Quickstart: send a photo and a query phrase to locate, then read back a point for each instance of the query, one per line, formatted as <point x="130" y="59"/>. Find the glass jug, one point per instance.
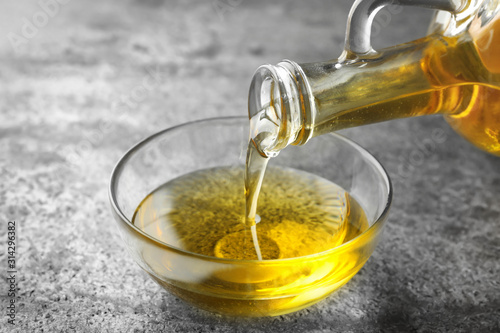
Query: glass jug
<point x="454" y="71"/>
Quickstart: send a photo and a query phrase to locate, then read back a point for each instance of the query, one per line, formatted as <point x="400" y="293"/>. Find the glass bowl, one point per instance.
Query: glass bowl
<point x="248" y="288"/>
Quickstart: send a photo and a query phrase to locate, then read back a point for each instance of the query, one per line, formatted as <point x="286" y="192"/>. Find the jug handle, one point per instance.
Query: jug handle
<point x="362" y="13"/>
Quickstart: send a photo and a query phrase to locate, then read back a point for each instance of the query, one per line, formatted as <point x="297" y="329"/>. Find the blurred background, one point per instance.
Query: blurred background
<point x="82" y="81"/>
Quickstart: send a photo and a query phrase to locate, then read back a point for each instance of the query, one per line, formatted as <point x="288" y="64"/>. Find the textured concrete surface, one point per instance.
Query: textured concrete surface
<point x="80" y="86"/>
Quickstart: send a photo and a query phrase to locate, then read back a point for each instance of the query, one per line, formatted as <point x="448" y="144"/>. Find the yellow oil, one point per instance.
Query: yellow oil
<point x="299" y="214"/>
<point x="455" y="76"/>
<point x="204" y="213"/>
<point x="479" y="120"/>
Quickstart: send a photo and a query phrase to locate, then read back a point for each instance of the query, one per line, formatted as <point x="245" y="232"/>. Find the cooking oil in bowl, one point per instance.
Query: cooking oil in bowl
<point x="299" y="215"/>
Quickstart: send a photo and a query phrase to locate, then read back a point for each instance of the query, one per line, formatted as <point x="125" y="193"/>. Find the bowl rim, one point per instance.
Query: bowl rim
<point x="124" y="220"/>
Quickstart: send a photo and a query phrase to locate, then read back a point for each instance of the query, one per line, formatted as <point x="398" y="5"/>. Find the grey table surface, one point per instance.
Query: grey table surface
<point x="68" y="67"/>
